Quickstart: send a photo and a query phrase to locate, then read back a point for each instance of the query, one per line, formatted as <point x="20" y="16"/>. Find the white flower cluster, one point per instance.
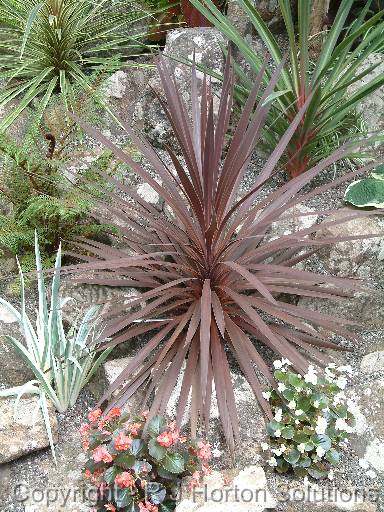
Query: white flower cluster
<point x="311" y="376"/>
<point x="282" y="364"/>
<point x="332" y="374"/>
<point x="321" y="425"/>
<point x="341" y="424"/>
<point x="321" y="418"/>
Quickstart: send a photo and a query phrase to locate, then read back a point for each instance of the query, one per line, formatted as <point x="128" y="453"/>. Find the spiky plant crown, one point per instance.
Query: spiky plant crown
<point x="51" y="45"/>
<point x="210" y="274"/>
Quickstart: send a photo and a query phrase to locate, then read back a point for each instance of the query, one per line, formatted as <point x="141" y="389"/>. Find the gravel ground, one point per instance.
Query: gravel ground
<point x="35" y="469"/>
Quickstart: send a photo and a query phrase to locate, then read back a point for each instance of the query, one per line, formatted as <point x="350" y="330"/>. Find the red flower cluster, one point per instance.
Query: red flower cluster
<point x="125" y="480"/>
<point x="204" y="452"/>
<point x="122" y="442"/>
<point x="84" y="432"/>
<point x="107" y="437"/>
<point x="170" y="437"/>
<point x="93" y="416"/>
<point x="93" y="477"/>
<point x="101" y="454"/>
<point x="147" y="507"/>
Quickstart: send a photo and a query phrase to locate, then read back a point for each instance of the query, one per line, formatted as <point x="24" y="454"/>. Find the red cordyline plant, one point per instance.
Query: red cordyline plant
<point x="209" y="270"/>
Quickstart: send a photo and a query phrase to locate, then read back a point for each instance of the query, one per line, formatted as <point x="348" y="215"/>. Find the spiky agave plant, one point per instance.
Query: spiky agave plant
<point x="49" y="45"/>
<point x="211" y="275"/>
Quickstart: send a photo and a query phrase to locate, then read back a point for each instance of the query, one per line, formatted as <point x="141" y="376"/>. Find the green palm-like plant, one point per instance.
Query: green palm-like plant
<point x="63" y="363"/>
<point x="326" y="81"/>
<point x="49" y="45"/>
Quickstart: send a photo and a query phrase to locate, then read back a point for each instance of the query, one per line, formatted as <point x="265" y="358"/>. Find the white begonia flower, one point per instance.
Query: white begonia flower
<point x="276" y="451"/>
<point x="301" y="447"/>
<point x="278" y="433"/>
<point x="310" y="377"/>
<point x="320" y="452"/>
<point x="351" y="404"/>
<point x="339" y="398"/>
<point x="264" y="446"/>
<point x="286" y="362"/>
<point x="292" y="404"/>
<point x="316" y="404"/>
<point x="266" y="395"/>
<point x="277" y="364"/>
<point x="341" y="382"/>
<point x="279" y="415"/>
<point x="272" y="462"/>
<point x="299" y="412"/>
<point x="297" y="422"/>
<point x="331" y="475"/>
<point x="321" y="425"/>
<point x="281" y="387"/>
<point x="341" y="424"/>
<point x="283" y="448"/>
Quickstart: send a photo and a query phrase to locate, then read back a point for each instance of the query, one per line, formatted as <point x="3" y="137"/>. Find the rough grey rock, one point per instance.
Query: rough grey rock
<point x="270" y="11"/>
<point x="68" y="490"/>
<point x="238" y="18"/>
<point x="368" y="441"/>
<point x="371" y="107"/>
<point x="125" y="91"/>
<point x="294" y="219"/>
<point x="35" y="484"/>
<point x="181" y="44"/>
<point x="19" y="127"/>
<point x="147" y="193"/>
<point x="8" y="267"/>
<point x="355" y="259"/>
<point x="107" y="375"/>
<point x="251" y="421"/>
<point x="85" y="295"/>
<point x="373" y="362"/>
<point x="13" y="371"/>
<point x="6" y="316"/>
<point x="245" y="490"/>
<point x="23" y="432"/>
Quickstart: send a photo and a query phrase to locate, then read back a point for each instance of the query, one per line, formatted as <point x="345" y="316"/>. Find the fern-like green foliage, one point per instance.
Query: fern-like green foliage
<point x="39" y="196"/>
